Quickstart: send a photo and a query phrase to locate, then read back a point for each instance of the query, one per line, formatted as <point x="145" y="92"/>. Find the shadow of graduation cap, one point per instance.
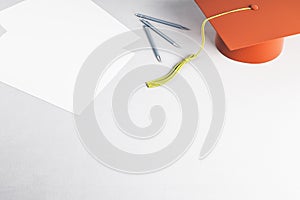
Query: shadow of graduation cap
<point x="254" y="36"/>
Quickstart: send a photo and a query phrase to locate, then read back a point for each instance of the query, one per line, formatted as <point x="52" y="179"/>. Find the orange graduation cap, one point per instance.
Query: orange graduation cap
<point x="254" y="36"/>
<point x="250" y="31"/>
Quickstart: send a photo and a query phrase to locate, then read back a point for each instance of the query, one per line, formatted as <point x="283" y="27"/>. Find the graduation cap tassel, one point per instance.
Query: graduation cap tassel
<point x="163" y="80"/>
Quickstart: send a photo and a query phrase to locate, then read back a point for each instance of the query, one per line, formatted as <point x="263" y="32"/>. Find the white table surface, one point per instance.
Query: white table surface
<point x="41" y="156"/>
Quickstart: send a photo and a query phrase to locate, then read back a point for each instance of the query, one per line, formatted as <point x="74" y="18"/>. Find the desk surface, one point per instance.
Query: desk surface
<point x="41" y="156"/>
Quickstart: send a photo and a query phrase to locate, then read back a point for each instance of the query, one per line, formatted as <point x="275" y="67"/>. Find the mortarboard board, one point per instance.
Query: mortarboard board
<point x="254" y="36"/>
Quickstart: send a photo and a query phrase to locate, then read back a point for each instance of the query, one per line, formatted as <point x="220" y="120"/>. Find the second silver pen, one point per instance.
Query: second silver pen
<point x="167" y="38"/>
<point x="151" y="41"/>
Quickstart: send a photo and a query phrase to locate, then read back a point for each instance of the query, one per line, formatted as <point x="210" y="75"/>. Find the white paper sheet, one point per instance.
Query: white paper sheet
<point x="46" y="43"/>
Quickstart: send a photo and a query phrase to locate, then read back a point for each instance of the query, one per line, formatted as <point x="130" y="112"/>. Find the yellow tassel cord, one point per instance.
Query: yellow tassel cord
<point x="163" y="80"/>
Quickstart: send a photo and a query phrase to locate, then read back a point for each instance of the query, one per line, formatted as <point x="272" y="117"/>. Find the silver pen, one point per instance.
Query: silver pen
<point x="159" y="33"/>
<point x="161" y="21"/>
<point x="151" y="41"/>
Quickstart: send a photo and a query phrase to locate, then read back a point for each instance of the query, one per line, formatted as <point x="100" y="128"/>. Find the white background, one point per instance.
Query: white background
<point x="257" y="157"/>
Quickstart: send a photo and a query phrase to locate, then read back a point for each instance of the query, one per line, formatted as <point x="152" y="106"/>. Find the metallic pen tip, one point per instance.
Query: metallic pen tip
<point x="145" y="22"/>
<point x="176" y="45"/>
<point x="185" y="28"/>
<point x="158" y="58"/>
<point x="137" y="14"/>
